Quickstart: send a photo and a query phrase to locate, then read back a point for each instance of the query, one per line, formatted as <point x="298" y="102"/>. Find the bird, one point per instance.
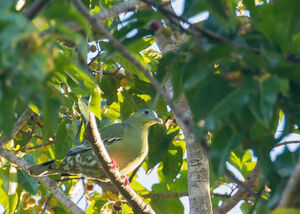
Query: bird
<point x="126" y="143"/>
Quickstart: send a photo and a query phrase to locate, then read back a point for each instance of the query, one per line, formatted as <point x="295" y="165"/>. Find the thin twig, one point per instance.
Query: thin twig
<point x="18" y="126"/>
<point x="69" y="179"/>
<point x="194" y="28"/>
<point x="286" y="143"/>
<point x="35" y="8"/>
<point x="47" y="182"/>
<point x="221" y="195"/>
<point x="42" y="145"/>
<point x="165" y="195"/>
<point x="46" y="204"/>
<point x="119" y="8"/>
<point x="242" y="185"/>
<point x="118" y="45"/>
<point x="241" y="194"/>
<point x="30" y="135"/>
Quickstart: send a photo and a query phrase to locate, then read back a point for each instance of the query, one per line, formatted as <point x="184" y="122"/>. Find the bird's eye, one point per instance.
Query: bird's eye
<point x="146" y="112"/>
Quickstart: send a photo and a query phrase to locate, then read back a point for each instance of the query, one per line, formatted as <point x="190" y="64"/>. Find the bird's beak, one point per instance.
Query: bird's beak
<point x="158" y="120"/>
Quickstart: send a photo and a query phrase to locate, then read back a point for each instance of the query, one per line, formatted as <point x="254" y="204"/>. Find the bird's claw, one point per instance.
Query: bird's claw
<point x="114" y="165"/>
<point x="126" y="181"/>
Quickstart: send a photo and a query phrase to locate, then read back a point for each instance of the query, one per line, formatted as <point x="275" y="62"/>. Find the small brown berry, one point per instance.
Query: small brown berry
<point x="123" y="82"/>
<point x="155" y="26"/>
<point x="93" y="48"/>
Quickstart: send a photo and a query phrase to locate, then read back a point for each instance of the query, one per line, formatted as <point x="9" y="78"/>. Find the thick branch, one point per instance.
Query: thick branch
<point x="136" y="203"/>
<point x="240" y="194"/>
<point x="198" y="166"/>
<point x="291" y="190"/>
<point x="47" y="182"/>
<point x="35" y="8"/>
<point x="18" y="126"/>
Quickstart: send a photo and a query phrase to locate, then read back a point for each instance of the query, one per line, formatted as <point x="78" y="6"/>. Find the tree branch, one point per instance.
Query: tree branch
<point x="197" y="158"/>
<point x="286" y="143"/>
<point x="35" y="8"/>
<point x="18" y="126"/>
<point x="292" y="187"/>
<point x="119" y="8"/>
<point x="197" y="31"/>
<point x="240" y="194"/>
<point x="118" y="45"/>
<point x="47" y="182"/>
<point x="165" y="195"/>
<point x="136" y="203"/>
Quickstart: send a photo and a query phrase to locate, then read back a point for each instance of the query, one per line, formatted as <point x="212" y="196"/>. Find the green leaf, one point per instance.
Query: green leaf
<point x="109" y="85"/>
<point x="27" y="182"/>
<point x="180" y="184"/>
<point x="223" y="141"/>
<point x="4" y="199"/>
<point x="193" y="7"/>
<point x="4" y="5"/>
<point x="173" y="161"/>
<point x="65" y="138"/>
<point x="286" y="162"/>
<point x="84" y="109"/>
<point x="159" y="143"/>
<point x="228" y="104"/>
<point x="126" y="209"/>
<point x="235" y="161"/>
<point x="246" y="157"/>
<point x="165" y="205"/>
<point x="285" y="211"/>
<point x="50" y="116"/>
<point x="13" y="202"/>
<point x="95" y="103"/>
<point x="34" y="108"/>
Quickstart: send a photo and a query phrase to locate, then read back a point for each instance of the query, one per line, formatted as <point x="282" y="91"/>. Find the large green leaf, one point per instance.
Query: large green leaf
<point x="159" y="143"/>
<point x="173" y="160"/>
<point x="165" y="205"/>
<point x="50" y="116"/>
<point x="223" y="141"/>
<point x="27" y="182"/>
<point x="65" y="138"/>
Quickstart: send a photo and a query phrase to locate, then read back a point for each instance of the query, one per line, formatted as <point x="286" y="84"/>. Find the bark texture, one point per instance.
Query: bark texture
<point x="198" y="165"/>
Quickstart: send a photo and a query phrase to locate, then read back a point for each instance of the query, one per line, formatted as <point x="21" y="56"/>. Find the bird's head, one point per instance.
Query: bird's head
<point x="146" y="117"/>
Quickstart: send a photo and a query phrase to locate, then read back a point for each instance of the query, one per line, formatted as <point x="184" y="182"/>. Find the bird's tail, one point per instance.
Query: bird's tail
<point x="44" y="169"/>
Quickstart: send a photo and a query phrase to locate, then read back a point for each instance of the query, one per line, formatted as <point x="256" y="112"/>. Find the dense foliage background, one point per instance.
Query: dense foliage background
<point x="240" y="74"/>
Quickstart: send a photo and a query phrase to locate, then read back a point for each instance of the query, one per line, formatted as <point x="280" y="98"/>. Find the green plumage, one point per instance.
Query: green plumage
<point x="126" y="143"/>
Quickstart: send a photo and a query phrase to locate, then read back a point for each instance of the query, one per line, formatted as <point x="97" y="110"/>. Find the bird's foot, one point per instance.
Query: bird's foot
<point x="114" y="165"/>
<point x="126" y="181"/>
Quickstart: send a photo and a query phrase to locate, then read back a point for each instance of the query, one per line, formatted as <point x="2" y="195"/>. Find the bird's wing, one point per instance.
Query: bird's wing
<point x="109" y="135"/>
<point x="112" y="133"/>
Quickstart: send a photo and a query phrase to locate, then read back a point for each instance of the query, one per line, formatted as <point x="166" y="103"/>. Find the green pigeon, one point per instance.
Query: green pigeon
<point x="126" y="143"/>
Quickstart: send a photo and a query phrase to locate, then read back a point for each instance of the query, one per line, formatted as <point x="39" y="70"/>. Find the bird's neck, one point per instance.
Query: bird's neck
<point x="137" y="130"/>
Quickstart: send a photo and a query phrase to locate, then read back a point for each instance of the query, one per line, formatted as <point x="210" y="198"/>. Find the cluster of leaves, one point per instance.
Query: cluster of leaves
<point x="236" y="87"/>
<point x="40" y="69"/>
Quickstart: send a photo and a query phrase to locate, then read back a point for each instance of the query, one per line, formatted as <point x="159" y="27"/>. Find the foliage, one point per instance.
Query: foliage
<point x="236" y="88"/>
